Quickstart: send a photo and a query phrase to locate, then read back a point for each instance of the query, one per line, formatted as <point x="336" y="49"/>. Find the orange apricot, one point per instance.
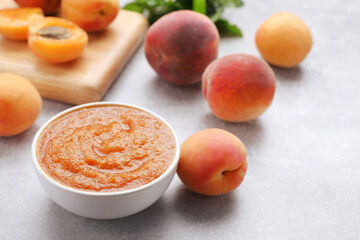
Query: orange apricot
<point x="56" y="40"/>
<point x="284" y="40"/>
<point x="14" y="22"/>
<point x="90" y="15"/>
<point x="20" y="104"/>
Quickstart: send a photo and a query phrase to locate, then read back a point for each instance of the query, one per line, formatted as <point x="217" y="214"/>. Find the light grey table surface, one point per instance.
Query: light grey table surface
<point x="303" y="179"/>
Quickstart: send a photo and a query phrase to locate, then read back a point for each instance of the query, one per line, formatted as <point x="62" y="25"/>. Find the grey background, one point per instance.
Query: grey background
<point x="303" y="179"/>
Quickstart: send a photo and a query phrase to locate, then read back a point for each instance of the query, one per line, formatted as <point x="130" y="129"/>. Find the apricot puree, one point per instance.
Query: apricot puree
<point x="106" y="148"/>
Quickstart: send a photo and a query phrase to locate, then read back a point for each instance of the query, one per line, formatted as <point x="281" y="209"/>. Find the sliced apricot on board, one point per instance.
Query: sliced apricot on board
<point x="56" y="40"/>
<point x="14" y="22"/>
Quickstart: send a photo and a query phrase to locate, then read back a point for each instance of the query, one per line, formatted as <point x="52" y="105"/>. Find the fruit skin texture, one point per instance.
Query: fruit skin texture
<point x="14" y="23"/>
<point x="20" y="104"/>
<point x="54" y="50"/>
<point x="90" y="15"/>
<point x="212" y="162"/>
<point x="283" y="40"/>
<point x="180" y="45"/>
<point x="50" y="7"/>
<point x="238" y="87"/>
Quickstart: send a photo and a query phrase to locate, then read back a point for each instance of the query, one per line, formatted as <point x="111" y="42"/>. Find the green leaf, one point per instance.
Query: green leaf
<point x="199" y="6"/>
<point x="217" y="14"/>
<point x="234" y="3"/>
<point x="134" y="7"/>
<point x="225" y="28"/>
<point x="186" y="4"/>
<point x="154" y="9"/>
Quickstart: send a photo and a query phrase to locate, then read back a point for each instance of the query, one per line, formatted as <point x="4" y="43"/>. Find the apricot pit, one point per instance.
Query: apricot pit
<point x="54" y="32"/>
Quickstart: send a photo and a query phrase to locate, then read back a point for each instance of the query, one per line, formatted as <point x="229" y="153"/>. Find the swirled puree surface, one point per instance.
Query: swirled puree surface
<point x="106" y="148"/>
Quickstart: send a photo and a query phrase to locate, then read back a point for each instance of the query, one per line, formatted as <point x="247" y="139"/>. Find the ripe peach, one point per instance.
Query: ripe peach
<point x="50" y="7"/>
<point x="212" y="162"/>
<point x="238" y="87"/>
<point x="20" y="104"/>
<point x="180" y="45"/>
<point x="90" y="15"/>
<point x="283" y="40"/>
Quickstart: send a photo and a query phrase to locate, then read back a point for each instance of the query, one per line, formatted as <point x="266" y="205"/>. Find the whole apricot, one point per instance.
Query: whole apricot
<point x="180" y="45"/>
<point x="212" y="162"/>
<point x="238" y="87"/>
<point x="20" y="104"/>
<point x="283" y="40"/>
<point x="90" y="15"/>
<point x="50" y="7"/>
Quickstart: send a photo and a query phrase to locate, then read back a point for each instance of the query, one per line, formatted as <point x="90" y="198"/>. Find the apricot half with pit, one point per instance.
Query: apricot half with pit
<point x="56" y="40"/>
<point x="14" y="22"/>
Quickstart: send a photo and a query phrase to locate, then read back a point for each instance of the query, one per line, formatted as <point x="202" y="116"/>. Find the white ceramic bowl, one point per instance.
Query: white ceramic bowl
<point x="104" y="205"/>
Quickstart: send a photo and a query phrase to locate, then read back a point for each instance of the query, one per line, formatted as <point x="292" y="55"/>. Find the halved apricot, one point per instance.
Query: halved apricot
<point x="56" y="40"/>
<point x="14" y="22"/>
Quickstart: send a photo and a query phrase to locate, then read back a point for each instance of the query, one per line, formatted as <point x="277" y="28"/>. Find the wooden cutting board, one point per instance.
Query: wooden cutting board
<point x="87" y="78"/>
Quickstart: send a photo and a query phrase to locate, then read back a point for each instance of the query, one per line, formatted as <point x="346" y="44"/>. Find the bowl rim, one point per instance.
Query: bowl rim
<point x="38" y="168"/>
